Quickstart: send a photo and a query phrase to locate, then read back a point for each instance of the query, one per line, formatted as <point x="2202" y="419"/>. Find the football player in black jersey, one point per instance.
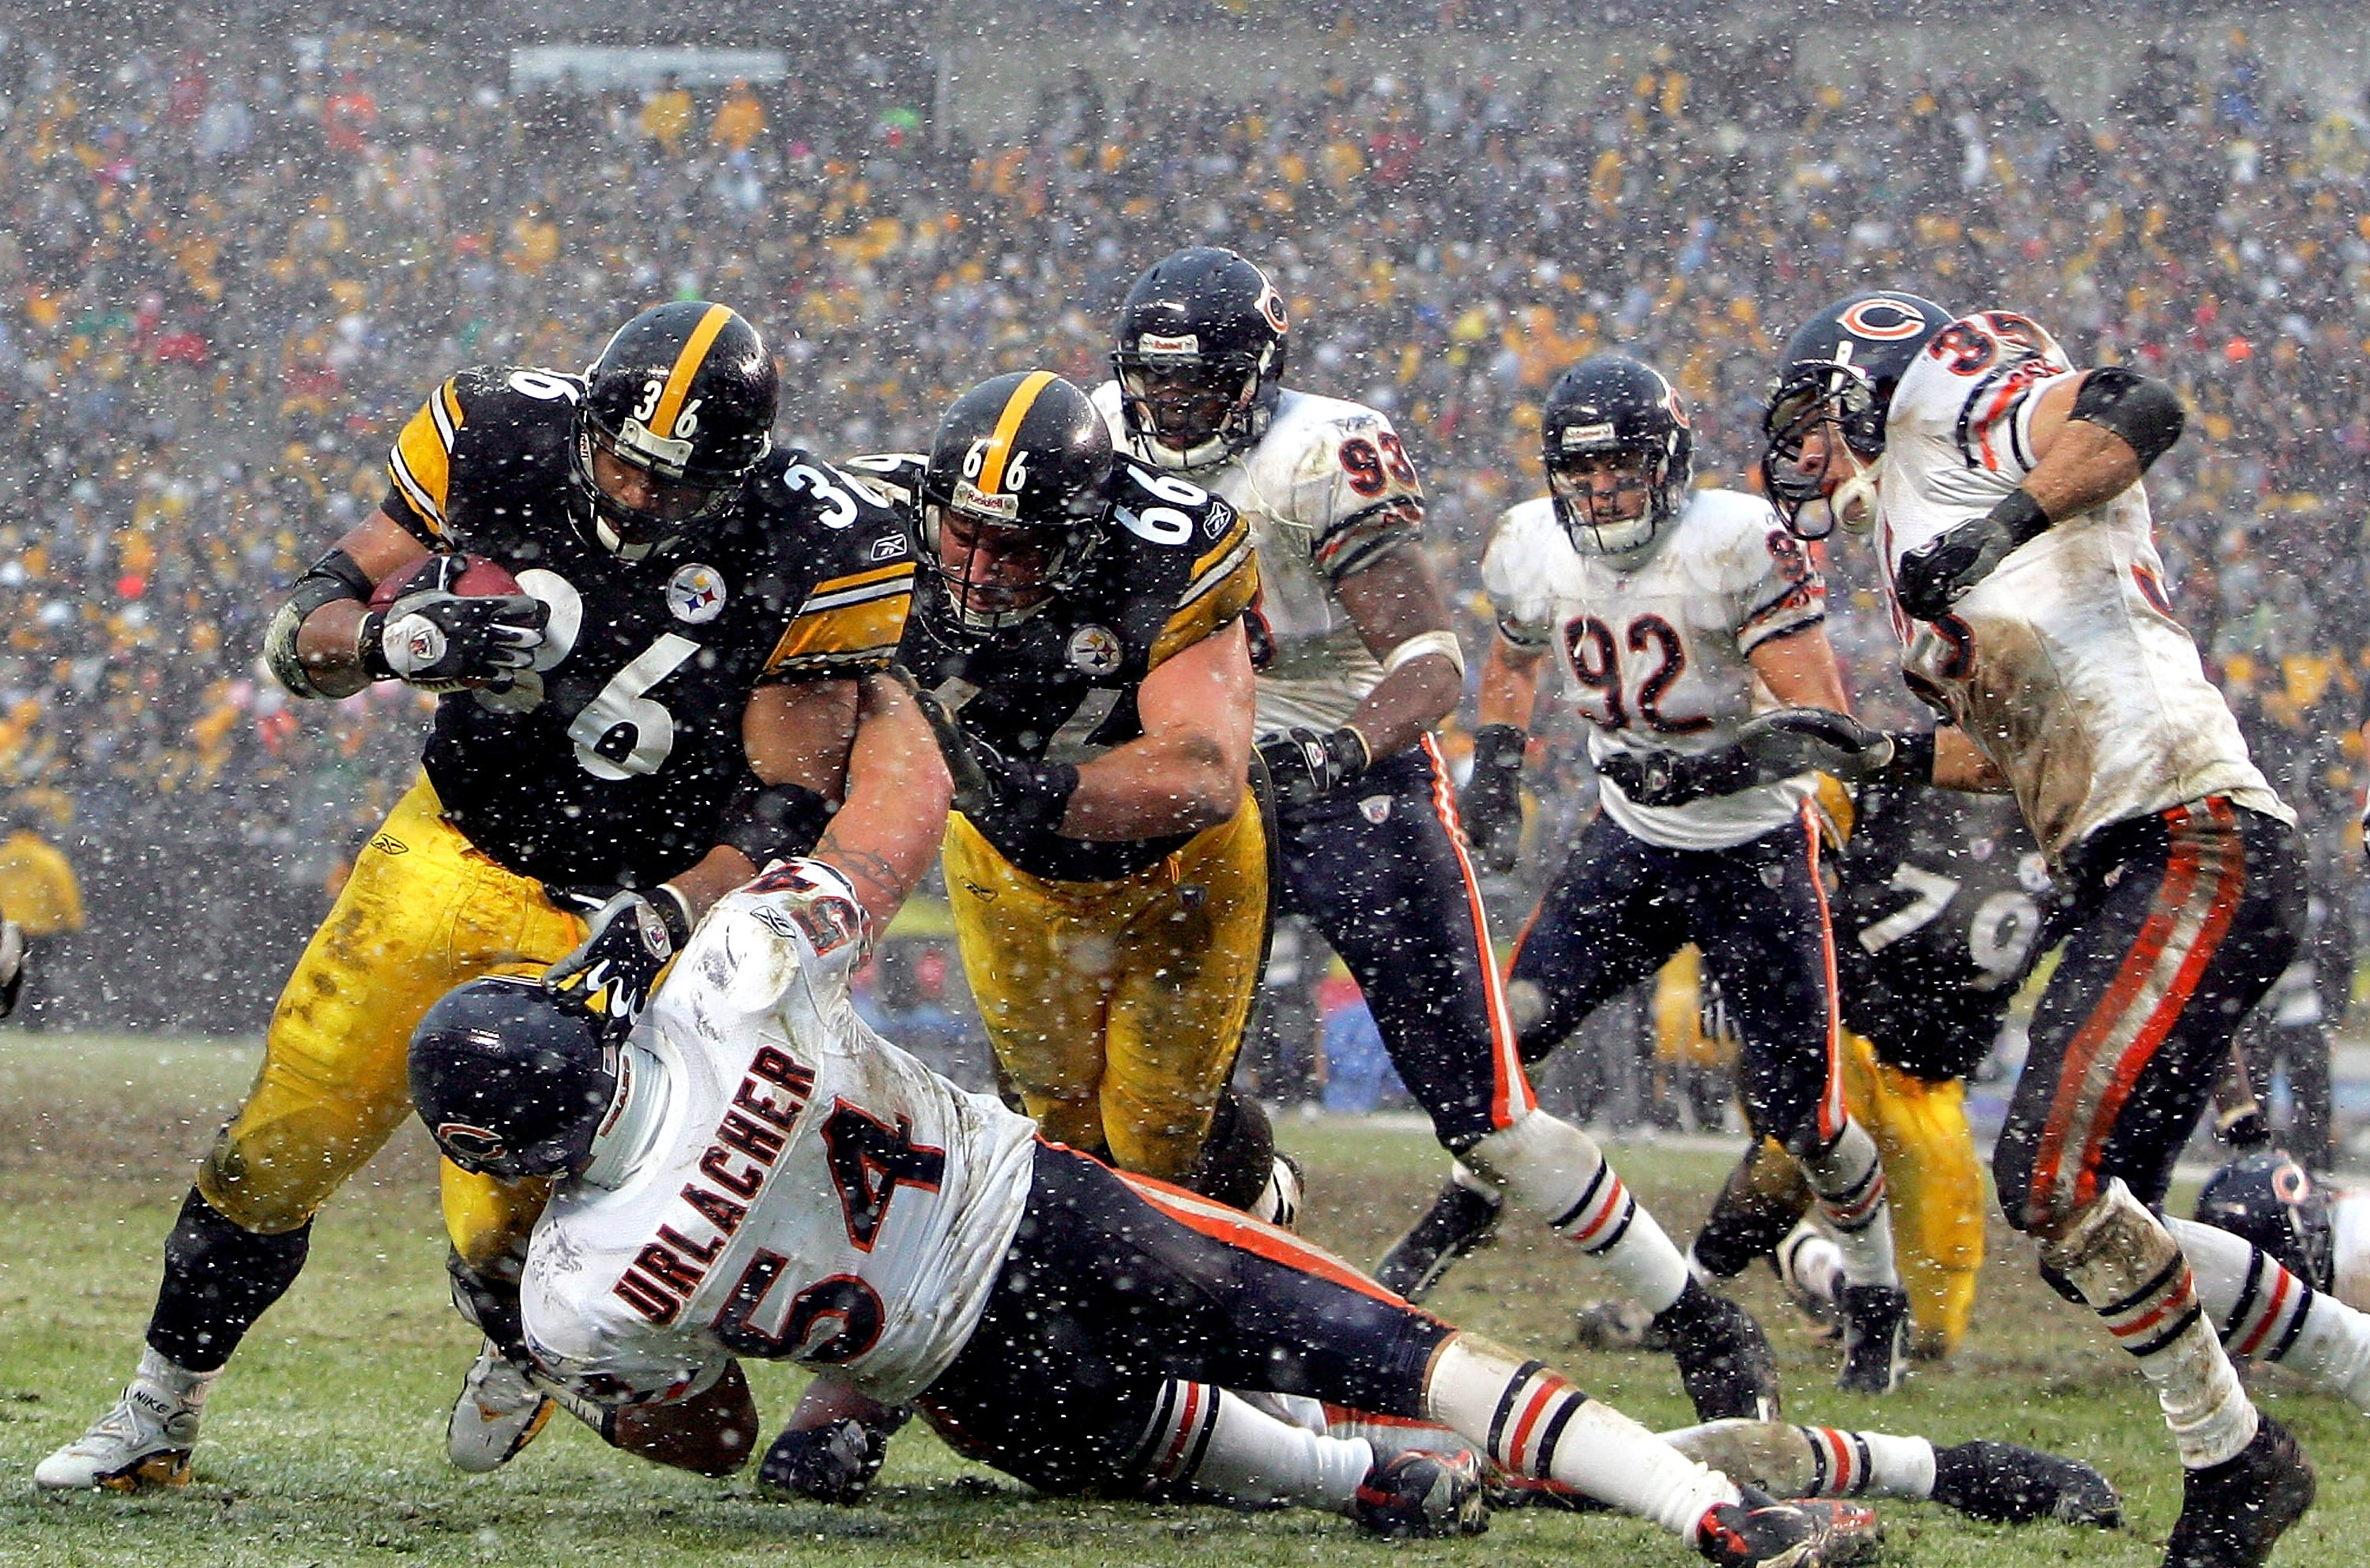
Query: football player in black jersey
<point x="686" y="681"/>
<point x="1942" y="897"/>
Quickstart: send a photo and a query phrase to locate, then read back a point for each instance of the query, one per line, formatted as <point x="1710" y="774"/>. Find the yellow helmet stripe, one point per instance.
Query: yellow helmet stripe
<point x="686" y="366"/>
<point x="1007" y="425"/>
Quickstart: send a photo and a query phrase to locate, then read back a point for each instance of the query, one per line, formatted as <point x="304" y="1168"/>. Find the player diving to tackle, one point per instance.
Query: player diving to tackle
<point x="683" y="686"/>
<point x="2015" y="538"/>
<point x="1362" y="665"/>
<point x="754" y="1172"/>
<point x="1671" y="611"/>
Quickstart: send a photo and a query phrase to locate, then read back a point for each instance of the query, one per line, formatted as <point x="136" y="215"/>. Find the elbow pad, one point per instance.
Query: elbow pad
<point x="333" y="577"/>
<point x="2143" y="410"/>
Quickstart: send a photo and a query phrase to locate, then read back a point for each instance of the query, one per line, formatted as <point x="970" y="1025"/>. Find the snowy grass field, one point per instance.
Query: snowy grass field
<point x="325" y="1443"/>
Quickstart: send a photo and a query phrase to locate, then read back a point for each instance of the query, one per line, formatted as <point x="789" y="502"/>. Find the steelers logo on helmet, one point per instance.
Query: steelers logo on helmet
<point x="676" y="410"/>
<point x="1836" y="380"/>
<point x="1619" y="454"/>
<point x="1198" y="353"/>
<point x="1013" y="498"/>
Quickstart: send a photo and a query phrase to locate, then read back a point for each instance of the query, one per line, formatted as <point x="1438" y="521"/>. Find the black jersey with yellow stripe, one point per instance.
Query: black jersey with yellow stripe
<point x="612" y="759"/>
<point x="1174" y="565"/>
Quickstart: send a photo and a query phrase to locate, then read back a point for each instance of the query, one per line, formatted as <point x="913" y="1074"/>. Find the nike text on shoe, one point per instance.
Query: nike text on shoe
<point x="499" y="1413"/>
<point x="143" y="1442"/>
<point x="1420" y="1493"/>
<point x="2231" y="1513"/>
<point x="1821" y="1532"/>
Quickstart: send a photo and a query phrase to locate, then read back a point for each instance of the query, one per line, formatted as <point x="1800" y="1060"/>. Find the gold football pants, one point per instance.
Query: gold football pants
<point x="422" y="912"/>
<point x="1116" y="1008"/>
<point x="1935" y="1180"/>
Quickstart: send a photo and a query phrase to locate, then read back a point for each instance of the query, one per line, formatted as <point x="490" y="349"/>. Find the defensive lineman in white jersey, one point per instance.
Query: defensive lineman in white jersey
<point x="757" y="1173"/>
<point x="2004" y="488"/>
<point x="1362" y="665"/>
<point x="1673" y="611"/>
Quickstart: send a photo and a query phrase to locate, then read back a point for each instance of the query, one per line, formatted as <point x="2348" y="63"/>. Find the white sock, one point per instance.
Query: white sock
<point x="185" y="1388"/>
<point x="1552" y="1169"/>
<point x="1811" y="1263"/>
<point x="1848" y="1178"/>
<point x="1218" y="1445"/>
<point x="1533" y="1423"/>
<point x="2133" y="1273"/>
<point x="2261" y="1310"/>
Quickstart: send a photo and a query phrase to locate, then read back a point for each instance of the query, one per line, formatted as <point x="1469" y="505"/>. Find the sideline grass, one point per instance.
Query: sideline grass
<point x="324" y="1444"/>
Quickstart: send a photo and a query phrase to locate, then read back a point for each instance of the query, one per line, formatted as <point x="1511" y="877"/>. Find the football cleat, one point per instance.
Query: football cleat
<point x="2012" y="1485"/>
<point x="1876" y="1338"/>
<point x="1724" y="1359"/>
<point x="831" y="1463"/>
<point x="2231" y="1513"/>
<point x="143" y="1442"/>
<point x="1810" y="1532"/>
<point x="499" y="1413"/>
<point x="1459" y="1221"/>
<point x="1420" y="1493"/>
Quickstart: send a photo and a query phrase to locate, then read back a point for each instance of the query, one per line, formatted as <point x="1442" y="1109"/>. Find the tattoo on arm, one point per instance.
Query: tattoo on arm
<point x="872" y="873"/>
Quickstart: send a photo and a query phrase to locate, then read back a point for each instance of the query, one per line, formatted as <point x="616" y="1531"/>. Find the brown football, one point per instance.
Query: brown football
<point x="479" y="579"/>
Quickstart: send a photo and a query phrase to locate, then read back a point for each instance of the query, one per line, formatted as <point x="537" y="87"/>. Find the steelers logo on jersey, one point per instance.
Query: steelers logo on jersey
<point x="695" y="593"/>
<point x="1095" y="650"/>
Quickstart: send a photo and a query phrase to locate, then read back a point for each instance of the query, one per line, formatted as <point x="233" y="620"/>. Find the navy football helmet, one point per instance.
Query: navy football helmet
<point x="1612" y="405"/>
<point x="1200" y="348"/>
<point x="1840" y="370"/>
<point x="512" y="1079"/>
<point x="2268" y="1199"/>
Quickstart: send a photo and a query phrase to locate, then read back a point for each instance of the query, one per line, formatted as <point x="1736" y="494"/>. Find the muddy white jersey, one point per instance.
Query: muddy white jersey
<point x="1327" y="487"/>
<point x="1658" y="649"/>
<point x="2065" y="665"/>
<point x="795" y="1185"/>
<point x="2349" y="1221"/>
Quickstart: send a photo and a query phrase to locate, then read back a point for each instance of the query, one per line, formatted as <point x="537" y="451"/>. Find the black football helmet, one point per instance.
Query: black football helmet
<point x="1611" y="405"/>
<point x="1839" y="369"/>
<point x="1016" y="491"/>
<point x="2268" y="1199"/>
<point x="684" y="394"/>
<point x="1199" y="348"/>
<point x="511" y="1079"/>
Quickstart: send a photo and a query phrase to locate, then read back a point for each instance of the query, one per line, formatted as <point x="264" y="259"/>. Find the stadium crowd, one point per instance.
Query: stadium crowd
<point x="228" y="272"/>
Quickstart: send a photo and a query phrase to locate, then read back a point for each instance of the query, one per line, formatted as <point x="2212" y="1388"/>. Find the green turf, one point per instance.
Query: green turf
<point x="324" y="1444"/>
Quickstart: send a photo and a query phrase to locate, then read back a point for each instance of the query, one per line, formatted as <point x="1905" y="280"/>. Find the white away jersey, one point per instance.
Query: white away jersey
<point x="1327" y="489"/>
<point x="2065" y="665"/>
<point x="808" y="1191"/>
<point x="1659" y="653"/>
<point x="2349" y="1220"/>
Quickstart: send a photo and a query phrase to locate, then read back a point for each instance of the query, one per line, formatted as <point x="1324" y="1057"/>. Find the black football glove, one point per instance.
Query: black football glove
<point x="831" y="1463"/>
<point x="632" y="937"/>
<point x="989" y="786"/>
<point x="439" y="641"/>
<point x="1662" y="779"/>
<point x="1940" y="572"/>
<point x="1490" y="804"/>
<point x="1788" y="741"/>
<point x="1304" y="765"/>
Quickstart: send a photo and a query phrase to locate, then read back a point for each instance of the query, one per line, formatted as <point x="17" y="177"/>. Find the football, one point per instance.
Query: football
<point x="479" y="579"/>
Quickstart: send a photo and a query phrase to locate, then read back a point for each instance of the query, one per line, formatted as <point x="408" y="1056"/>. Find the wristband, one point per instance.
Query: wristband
<point x="2019" y="517"/>
<point x="1912" y="761"/>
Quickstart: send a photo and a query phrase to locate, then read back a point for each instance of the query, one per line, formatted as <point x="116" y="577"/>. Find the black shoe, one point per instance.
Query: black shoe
<point x="1420" y="1493"/>
<point x="1724" y="1359"/>
<point x="1459" y="1220"/>
<point x="2231" y="1513"/>
<point x="831" y="1463"/>
<point x="2012" y="1485"/>
<point x="1876" y="1338"/>
<point x="1812" y="1532"/>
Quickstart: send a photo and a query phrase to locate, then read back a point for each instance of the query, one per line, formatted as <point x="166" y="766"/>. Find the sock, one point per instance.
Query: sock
<point x="1214" y="1444"/>
<point x="2263" y="1310"/>
<point x="1812" y="1264"/>
<point x="1554" y="1169"/>
<point x="1850" y="1181"/>
<point x="219" y="1278"/>
<point x="170" y="1385"/>
<point x="1534" y="1424"/>
<point x="2131" y="1272"/>
<point x="1811" y="1461"/>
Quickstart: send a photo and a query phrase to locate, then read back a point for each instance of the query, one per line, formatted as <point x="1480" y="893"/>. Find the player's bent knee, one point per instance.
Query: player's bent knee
<point x="236" y="1190"/>
<point x="710" y="1433"/>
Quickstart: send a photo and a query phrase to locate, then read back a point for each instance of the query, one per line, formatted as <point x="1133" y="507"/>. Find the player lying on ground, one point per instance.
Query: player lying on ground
<point x="757" y="1173"/>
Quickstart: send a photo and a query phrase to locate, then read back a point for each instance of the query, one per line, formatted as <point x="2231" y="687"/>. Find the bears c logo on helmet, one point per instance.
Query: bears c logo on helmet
<point x="1884" y="320"/>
